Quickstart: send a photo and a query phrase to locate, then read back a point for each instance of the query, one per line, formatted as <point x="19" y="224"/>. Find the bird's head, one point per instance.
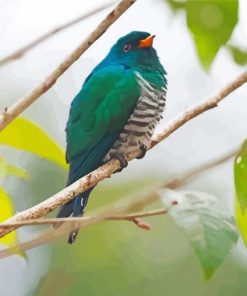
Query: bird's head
<point x="135" y="50"/>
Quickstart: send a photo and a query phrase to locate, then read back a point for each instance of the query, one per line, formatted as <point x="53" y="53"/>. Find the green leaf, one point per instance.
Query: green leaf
<point x="25" y="135"/>
<point x="6" y="170"/>
<point x="176" y="4"/>
<point x="6" y="211"/>
<point x="207" y="225"/>
<point x="240" y="177"/>
<point x="211" y="24"/>
<point x="239" y="55"/>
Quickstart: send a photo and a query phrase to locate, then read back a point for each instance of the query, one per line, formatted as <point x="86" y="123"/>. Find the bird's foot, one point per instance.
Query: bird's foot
<point x="143" y="150"/>
<point x="122" y="160"/>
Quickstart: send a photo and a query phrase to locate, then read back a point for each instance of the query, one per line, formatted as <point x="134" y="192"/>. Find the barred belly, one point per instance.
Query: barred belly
<point x="141" y="124"/>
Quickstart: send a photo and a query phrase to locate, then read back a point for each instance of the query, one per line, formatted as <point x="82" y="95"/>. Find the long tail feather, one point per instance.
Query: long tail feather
<point x="75" y="206"/>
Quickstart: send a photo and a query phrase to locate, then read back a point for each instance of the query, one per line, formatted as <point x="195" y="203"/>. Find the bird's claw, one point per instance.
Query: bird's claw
<point x="143" y="150"/>
<point x="122" y="160"/>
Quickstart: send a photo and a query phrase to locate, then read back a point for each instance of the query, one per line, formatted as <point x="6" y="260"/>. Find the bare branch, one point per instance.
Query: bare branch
<point x="50" y="235"/>
<point x="198" y="109"/>
<point x="199" y="170"/>
<point x="109" y="168"/>
<point x="31" y="97"/>
<point x="128" y="217"/>
<point x="23" y="50"/>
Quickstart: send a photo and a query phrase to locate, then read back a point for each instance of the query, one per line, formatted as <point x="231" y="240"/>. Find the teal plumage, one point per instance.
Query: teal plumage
<point x="116" y="110"/>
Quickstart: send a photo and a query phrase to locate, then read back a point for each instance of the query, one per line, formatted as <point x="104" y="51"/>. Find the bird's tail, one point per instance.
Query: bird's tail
<point x="80" y="203"/>
<point x="79" y="167"/>
<point x="76" y="208"/>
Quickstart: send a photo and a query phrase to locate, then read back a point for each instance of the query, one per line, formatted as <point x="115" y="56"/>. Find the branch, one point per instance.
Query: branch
<point x="10" y="113"/>
<point x="50" y="235"/>
<point x="53" y="234"/>
<point x="192" y="112"/>
<point x="71" y="220"/>
<point x="110" y="167"/>
<point x="175" y="183"/>
<point x="23" y="50"/>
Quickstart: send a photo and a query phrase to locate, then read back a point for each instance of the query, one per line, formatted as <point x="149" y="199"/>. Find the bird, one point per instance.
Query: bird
<point x="115" y="112"/>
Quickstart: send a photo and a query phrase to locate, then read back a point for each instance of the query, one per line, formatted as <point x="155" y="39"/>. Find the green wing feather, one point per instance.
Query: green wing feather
<point x="103" y="106"/>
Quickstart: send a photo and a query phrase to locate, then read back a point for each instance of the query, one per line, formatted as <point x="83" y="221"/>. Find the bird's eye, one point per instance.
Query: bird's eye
<point x="127" y="47"/>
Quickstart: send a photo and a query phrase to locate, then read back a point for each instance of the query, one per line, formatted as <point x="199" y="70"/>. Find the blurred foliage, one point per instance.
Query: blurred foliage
<point x="6" y="211"/>
<point x="118" y="258"/>
<point x="240" y="174"/>
<point x="176" y="5"/>
<point x="25" y="135"/>
<point x="240" y="177"/>
<point x="99" y="250"/>
<point x="239" y="55"/>
<point x="241" y="219"/>
<point x="211" y="23"/>
<point x="207" y="224"/>
<point x="6" y="205"/>
<point x="7" y="169"/>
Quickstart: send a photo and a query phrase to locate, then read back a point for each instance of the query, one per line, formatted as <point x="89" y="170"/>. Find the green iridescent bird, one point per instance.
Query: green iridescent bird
<point x="116" y="111"/>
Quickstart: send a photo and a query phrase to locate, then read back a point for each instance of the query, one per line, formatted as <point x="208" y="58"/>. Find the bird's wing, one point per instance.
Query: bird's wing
<point x="99" y="112"/>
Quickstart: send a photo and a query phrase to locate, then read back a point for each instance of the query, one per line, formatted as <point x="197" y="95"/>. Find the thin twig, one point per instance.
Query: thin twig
<point x="110" y="167"/>
<point x="46" y="221"/>
<point x="31" y="97"/>
<point x="199" y="170"/>
<point x="50" y="235"/>
<point x="23" y="50"/>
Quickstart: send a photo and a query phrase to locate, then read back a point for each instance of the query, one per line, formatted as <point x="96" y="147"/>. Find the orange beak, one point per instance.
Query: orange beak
<point x="147" y="42"/>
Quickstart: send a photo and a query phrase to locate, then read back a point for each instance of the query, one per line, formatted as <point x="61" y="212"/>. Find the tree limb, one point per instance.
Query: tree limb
<point x="128" y="217"/>
<point x="196" y="110"/>
<point x="175" y="183"/>
<point x="110" y="167"/>
<point x="10" y="113"/>
<point x="23" y="50"/>
<point x="47" y="236"/>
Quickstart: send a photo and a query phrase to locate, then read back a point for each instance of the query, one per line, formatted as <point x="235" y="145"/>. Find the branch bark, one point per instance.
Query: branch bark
<point x="110" y="167"/>
<point x="71" y="220"/>
<point x="175" y="183"/>
<point x="23" y="50"/>
<point x="10" y="113"/>
<point x="48" y="236"/>
<point x="198" y="109"/>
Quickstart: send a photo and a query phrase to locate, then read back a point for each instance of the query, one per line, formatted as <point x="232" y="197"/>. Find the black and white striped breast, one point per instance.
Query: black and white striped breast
<point x="141" y="124"/>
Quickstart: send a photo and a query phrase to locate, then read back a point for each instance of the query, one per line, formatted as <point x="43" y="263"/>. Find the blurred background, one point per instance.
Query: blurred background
<point x="117" y="258"/>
